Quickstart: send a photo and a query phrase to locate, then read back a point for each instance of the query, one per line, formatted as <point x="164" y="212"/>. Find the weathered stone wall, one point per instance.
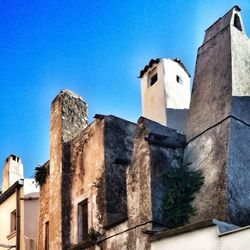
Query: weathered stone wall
<point x="211" y="92"/>
<point x="118" y="144"/>
<point x="163" y="158"/>
<point x="99" y="156"/>
<point x="238" y="174"/>
<point x="117" y="169"/>
<point x="138" y="178"/>
<point x="44" y="210"/>
<point x="218" y="123"/>
<point x="206" y="128"/>
<point x="208" y="153"/>
<point x="238" y="185"/>
<point x="87" y="166"/>
<point x="156" y="148"/>
<point x="68" y="118"/>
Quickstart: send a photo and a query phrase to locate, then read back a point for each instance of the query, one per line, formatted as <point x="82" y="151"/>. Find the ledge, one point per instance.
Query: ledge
<point x="114" y="222"/>
<point x="11" y="190"/>
<point x="183" y="229"/>
<point x="81" y="245"/>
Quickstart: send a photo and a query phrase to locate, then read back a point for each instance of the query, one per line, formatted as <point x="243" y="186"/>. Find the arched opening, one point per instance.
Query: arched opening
<point x="237" y="23"/>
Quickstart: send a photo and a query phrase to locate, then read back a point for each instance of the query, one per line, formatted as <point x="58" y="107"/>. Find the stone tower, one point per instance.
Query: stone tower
<point x="165" y="91"/>
<point x="12" y="172"/>
<point x="218" y="127"/>
<point x="68" y="118"/>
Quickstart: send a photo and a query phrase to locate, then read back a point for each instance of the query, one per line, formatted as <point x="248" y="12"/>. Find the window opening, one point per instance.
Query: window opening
<point x="47" y="235"/>
<point x="152" y="77"/>
<point x="177" y="78"/>
<point x="13" y="221"/>
<point x="83" y="221"/>
<point x="237" y="23"/>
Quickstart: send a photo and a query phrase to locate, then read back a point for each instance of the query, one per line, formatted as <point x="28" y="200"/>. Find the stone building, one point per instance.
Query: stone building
<point x="104" y="177"/>
<point x="105" y="187"/>
<point x="19" y="208"/>
<point x="218" y="126"/>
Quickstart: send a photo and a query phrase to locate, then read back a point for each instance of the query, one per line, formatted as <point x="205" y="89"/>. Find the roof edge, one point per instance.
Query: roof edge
<point x="4" y="196"/>
<point x="149" y="65"/>
<point x="183" y="229"/>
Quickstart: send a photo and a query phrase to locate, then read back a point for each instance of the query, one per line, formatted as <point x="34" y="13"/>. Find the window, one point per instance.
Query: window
<point x="83" y="221"/>
<point x="178" y="79"/>
<point x="47" y="235"/>
<point x="237" y="23"/>
<point x="152" y="77"/>
<point x="13" y="221"/>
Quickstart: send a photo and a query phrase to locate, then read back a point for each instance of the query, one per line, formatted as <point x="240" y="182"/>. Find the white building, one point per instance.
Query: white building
<point x="205" y="235"/>
<point x="19" y="208"/>
<point x="165" y="92"/>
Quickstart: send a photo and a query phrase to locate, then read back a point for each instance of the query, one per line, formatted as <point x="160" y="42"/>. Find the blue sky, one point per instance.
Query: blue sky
<point x="95" y="48"/>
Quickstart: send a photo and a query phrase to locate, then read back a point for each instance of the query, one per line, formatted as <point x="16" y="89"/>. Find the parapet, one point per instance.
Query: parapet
<point x="230" y="18"/>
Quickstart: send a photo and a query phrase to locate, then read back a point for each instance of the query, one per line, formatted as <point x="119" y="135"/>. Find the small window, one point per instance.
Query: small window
<point x="178" y="79"/>
<point x="83" y="221"/>
<point x="152" y="77"/>
<point x="47" y="235"/>
<point x="13" y="221"/>
<point x="237" y="23"/>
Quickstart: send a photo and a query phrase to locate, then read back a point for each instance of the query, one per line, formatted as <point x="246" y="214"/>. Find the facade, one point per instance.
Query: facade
<point x="105" y="188"/>
<point x="218" y="126"/>
<point x="19" y="208"/>
<point x="105" y="184"/>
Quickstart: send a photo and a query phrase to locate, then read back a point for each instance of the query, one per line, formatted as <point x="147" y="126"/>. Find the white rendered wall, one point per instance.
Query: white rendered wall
<point x="206" y="239"/>
<point x="12" y="172"/>
<point x="6" y="208"/>
<point x="239" y="240"/>
<point x="177" y="94"/>
<point x="167" y="100"/>
<point x="203" y="239"/>
<point x="153" y="97"/>
<point x="31" y="210"/>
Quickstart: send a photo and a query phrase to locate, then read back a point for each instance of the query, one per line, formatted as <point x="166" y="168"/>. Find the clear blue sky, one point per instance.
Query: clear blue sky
<point x="95" y="48"/>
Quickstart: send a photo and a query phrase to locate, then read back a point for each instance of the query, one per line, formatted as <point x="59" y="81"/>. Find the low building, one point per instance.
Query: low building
<point x="211" y="234"/>
<point x="19" y="208"/>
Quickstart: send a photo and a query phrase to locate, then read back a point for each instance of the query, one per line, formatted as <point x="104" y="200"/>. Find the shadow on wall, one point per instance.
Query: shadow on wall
<point x="176" y="119"/>
<point x="241" y="108"/>
<point x="118" y="145"/>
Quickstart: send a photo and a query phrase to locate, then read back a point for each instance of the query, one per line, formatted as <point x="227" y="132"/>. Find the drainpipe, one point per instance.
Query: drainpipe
<point x="18" y="218"/>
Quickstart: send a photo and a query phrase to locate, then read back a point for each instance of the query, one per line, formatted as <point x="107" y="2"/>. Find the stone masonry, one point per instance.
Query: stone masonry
<point x="108" y="176"/>
<point x="218" y="127"/>
<point x="116" y="165"/>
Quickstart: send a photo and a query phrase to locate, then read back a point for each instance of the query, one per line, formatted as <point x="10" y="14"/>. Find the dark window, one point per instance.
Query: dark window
<point x="177" y="78"/>
<point x="153" y="80"/>
<point x="13" y="221"/>
<point x="47" y="235"/>
<point x="237" y="23"/>
<point x="152" y="77"/>
<point x="83" y="221"/>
